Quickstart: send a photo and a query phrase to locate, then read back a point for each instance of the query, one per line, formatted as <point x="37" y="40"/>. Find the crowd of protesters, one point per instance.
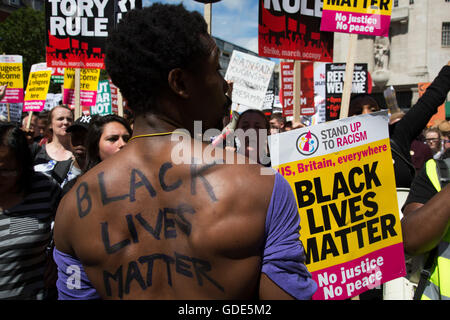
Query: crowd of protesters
<point x="43" y="158"/>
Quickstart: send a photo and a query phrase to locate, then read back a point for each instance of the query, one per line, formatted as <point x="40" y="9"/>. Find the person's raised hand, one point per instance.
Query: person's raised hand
<point x="3" y="91"/>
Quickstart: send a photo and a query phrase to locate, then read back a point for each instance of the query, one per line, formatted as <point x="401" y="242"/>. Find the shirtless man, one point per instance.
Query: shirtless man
<point x="144" y="227"/>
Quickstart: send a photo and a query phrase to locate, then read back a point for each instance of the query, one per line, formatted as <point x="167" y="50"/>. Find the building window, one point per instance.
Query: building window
<point x="411" y="1"/>
<point x="446" y="34"/>
<point x="395" y="3"/>
<point x="15" y="3"/>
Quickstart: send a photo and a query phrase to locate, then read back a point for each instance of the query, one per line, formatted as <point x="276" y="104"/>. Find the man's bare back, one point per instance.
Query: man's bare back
<point x="143" y="226"/>
<point x="150" y="229"/>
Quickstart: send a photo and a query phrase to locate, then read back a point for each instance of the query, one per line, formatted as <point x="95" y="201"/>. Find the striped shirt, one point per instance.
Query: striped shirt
<point x="25" y="234"/>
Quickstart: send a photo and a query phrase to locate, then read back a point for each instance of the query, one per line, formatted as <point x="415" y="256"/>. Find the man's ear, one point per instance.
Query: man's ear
<point x="178" y="82"/>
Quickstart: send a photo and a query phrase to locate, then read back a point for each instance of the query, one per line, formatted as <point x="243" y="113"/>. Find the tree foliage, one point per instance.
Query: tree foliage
<point x="23" y="33"/>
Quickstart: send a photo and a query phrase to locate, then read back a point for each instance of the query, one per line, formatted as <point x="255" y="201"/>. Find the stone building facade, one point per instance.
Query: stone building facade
<point x="8" y="6"/>
<point x="416" y="49"/>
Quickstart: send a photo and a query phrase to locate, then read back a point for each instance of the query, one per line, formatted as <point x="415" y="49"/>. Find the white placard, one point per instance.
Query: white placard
<point x="251" y="76"/>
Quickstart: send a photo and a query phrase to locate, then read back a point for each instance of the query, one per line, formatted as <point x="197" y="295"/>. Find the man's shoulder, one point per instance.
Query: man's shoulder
<point x="245" y="179"/>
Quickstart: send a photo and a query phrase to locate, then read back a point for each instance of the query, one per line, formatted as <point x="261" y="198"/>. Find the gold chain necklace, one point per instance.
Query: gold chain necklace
<point x="154" y="134"/>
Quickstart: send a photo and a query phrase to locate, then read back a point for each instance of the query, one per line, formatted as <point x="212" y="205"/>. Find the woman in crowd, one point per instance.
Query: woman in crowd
<point x="55" y="158"/>
<point x="250" y="144"/>
<point x="28" y="203"/>
<point x="106" y="135"/>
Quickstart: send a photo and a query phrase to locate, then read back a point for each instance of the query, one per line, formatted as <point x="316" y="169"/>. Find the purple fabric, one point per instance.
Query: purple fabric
<point x="72" y="283"/>
<point x="284" y="256"/>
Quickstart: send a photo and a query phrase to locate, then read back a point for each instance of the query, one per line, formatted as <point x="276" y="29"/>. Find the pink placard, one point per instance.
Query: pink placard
<point x="13" y="95"/>
<point x="87" y="98"/>
<point x="353" y="22"/>
<point x="33" y="105"/>
<point x="352" y="278"/>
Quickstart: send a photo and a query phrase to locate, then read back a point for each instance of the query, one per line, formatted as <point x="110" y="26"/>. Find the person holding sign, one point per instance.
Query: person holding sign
<point x="157" y="229"/>
<point x="403" y="132"/>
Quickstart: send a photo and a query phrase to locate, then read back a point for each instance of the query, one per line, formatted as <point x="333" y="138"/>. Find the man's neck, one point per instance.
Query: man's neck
<point x="151" y="123"/>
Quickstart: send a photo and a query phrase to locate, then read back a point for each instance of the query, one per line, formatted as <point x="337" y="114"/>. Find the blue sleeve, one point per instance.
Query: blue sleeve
<point x="72" y="282"/>
<point x="284" y="255"/>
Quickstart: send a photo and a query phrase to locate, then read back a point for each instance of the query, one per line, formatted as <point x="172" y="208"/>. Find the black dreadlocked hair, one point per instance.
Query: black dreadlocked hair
<point x="146" y="45"/>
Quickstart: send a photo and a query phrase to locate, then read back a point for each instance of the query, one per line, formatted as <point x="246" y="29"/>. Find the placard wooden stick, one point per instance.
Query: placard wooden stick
<point x="208" y="15"/>
<point x="77" y="93"/>
<point x="348" y="79"/>
<point x="30" y="115"/>
<point x="119" y="103"/>
<point x="297" y="89"/>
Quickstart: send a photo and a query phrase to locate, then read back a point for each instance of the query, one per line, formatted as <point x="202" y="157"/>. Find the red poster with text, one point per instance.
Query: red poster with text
<point x="307" y="88"/>
<point x="292" y="31"/>
<point x="77" y="31"/>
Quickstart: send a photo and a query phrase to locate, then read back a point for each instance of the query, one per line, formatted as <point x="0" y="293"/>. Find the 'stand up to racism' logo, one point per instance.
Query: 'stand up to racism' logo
<point x="307" y="143"/>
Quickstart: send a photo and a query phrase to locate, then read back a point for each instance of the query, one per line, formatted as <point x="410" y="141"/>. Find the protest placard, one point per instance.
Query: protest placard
<point x="103" y="104"/>
<point x="250" y="76"/>
<point x="319" y="93"/>
<point x="343" y="179"/>
<point x="334" y="78"/>
<point x="307" y="106"/>
<point x="440" y="114"/>
<point x="287" y="87"/>
<point x="53" y="100"/>
<point x="291" y="30"/>
<point x="58" y="75"/>
<point x="357" y="16"/>
<point x="15" y="111"/>
<point x="37" y="87"/>
<point x="114" y="97"/>
<point x="11" y="74"/>
<point x="88" y="86"/>
<point x="77" y="30"/>
<point x="268" y="100"/>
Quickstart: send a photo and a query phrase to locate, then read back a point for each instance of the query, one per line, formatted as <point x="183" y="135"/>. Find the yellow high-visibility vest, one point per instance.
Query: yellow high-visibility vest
<point x="438" y="284"/>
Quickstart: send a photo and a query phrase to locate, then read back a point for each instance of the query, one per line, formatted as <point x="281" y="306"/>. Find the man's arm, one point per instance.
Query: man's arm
<point x="284" y="273"/>
<point x="62" y="229"/>
<point x="424" y="225"/>
<point x="415" y="120"/>
<point x="268" y="290"/>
